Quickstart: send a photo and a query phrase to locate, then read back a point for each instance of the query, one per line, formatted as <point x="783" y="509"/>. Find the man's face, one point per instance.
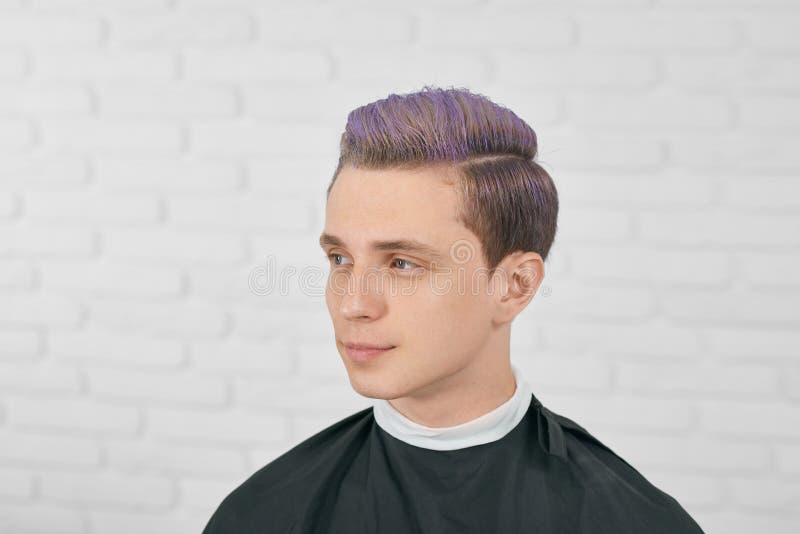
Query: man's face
<point x="434" y="310"/>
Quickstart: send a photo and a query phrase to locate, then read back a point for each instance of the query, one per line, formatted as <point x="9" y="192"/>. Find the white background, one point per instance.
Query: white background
<point x="153" y="153"/>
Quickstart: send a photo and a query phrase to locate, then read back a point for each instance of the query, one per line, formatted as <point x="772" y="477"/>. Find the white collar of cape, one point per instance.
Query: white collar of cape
<point x="486" y="428"/>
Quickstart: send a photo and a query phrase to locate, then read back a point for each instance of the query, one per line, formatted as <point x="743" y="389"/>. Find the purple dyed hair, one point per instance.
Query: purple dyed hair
<point x="507" y="199"/>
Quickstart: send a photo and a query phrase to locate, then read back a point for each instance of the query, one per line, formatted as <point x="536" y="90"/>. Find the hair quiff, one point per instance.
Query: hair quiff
<point x="507" y="199"/>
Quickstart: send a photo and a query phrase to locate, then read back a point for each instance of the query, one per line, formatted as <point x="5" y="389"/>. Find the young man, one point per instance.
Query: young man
<point x="438" y="222"/>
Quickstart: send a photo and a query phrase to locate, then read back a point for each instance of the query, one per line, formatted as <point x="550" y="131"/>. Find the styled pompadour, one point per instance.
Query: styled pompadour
<point x="507" y="199"/>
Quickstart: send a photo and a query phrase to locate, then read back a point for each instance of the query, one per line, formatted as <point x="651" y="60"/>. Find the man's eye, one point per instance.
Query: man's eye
<point x="404" y="265"/>
<point x="406" y="262"/>
<point x="334" y="256"/>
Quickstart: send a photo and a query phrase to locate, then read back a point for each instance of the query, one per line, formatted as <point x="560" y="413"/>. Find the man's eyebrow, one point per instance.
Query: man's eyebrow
<point x="407" y="245"/>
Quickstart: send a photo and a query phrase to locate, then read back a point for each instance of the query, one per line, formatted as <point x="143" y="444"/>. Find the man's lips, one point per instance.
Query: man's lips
<point x="363" y="353"/>
<point x="367" y="346"/>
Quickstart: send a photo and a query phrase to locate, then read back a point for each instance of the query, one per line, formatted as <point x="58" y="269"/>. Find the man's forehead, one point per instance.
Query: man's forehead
<point x="409" y="211"/>
<point x="394" y="216"/>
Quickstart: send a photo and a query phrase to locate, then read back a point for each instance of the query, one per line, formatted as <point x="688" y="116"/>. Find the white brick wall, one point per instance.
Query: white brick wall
<point x="154" y="153"/>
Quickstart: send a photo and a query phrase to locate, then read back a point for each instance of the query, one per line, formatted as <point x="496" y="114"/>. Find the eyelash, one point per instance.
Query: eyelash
<point x="330" y="257"/>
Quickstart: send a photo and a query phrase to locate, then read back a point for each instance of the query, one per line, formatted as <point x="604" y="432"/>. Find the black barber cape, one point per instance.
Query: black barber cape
<point x="546" y="475"/>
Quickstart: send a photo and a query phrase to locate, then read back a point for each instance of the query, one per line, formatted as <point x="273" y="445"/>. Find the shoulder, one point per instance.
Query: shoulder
<point x="267" y="498"/>
<point x="612" y="491"/>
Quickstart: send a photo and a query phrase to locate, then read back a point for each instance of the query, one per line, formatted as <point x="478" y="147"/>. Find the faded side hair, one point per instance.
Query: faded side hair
<point x="507" y="199"/>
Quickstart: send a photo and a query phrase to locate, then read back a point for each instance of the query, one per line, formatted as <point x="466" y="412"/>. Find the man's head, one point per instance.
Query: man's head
<point x="453" y="172"/>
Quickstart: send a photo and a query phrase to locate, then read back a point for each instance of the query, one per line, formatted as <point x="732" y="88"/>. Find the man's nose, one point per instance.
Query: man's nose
<point x="363" y="295"/>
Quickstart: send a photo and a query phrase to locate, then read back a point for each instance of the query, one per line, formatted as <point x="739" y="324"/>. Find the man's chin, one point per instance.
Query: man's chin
<point x="371" y="384"/>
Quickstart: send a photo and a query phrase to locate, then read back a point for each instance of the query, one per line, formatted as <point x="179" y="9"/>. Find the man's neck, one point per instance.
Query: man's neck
<point x="484" y="428"/>
<point x="461" y="397"/>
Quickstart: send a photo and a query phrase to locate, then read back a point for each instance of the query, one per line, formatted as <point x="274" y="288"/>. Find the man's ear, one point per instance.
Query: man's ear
<point x="519" y="276"/>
